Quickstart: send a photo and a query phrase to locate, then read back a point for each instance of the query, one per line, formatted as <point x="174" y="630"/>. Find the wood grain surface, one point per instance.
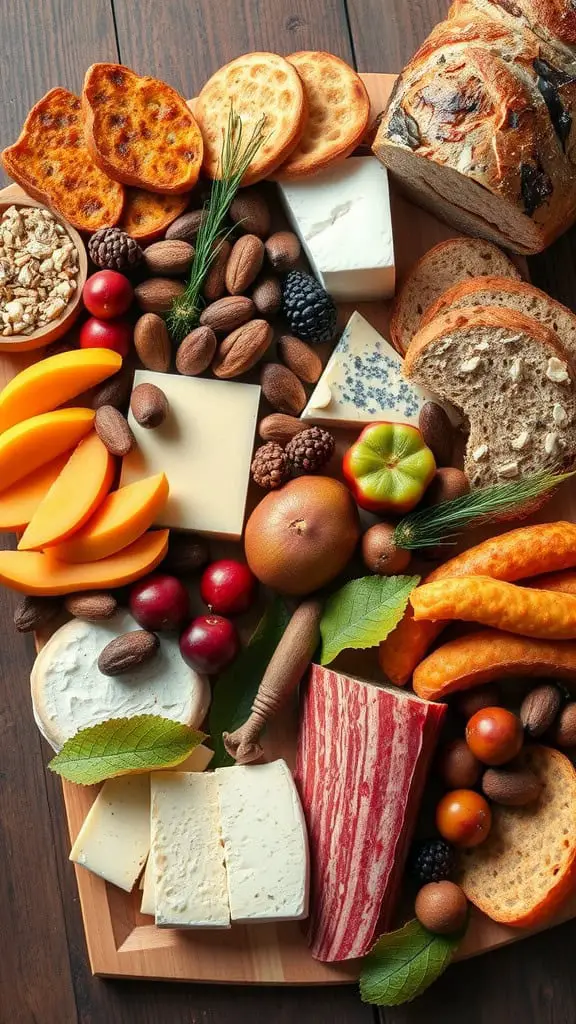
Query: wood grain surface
<point x="44" y="974"/>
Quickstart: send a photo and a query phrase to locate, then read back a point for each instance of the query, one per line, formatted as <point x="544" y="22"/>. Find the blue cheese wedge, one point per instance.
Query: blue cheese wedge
<point x="342" y="217"/>
<point x="186" y="851"/>
<point x="363" y="383"/>
<point x="265" y="843"/>
<point x="115" y="838"/>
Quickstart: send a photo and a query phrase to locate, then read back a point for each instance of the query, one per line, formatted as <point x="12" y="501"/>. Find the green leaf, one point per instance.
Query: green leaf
<point x="236" y="688"/>
<point x="402" y="964"/>
<point x="363" y="613"/>
<point x="123" y="745"/>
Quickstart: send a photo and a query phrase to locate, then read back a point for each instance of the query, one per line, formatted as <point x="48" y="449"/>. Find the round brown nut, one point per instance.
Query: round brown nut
<point x="250" y="211"/>
<point x="186" y="227"/>
<point x="437" y="432"/>
<point x="157" y="294"/>
<point x="244" y="263"/>
<point x="471" y="701"/>
<point x="215" y="280"/>
<point x="116" y="390"/>
<point x="113" y="430"/>
<point x="152" y="342"/>
<point x="564" y="730"/>
<point x="92" y="606"/>
<point x="149" y="405"/>
<point x="169" y="257"/>
<point x="300" y="358"/>
<point x="33" y="613"/>
<point x="196" y="352"/>
<point x="447" y="484"/>
<point x="441" y="907"/>
<point x="511" y="788"/>
<point x="457" y="766"/>
<point x="228" y="313"/>
<point x="379" y="552"/>
<point x="128" y="651"/>
<point x="267" y="295"/>
<point x="539" y="709"/>
<point x="283" y="250"/>
<point x="282" y="389"/>
<point x="242" y="349"/>
<point x="186" y="554"/>
<point x="281" y="428"/>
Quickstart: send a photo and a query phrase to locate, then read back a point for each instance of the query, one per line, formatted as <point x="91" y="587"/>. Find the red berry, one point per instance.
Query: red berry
<point x="463" y="817"/>
<point x="494" y="735"/>
<point x="107" y="294"/>
<point x="159" y="603"/>
<point x="112" y="334"/>
<point x="209" y="643"/>
<point x="228" y="587"/>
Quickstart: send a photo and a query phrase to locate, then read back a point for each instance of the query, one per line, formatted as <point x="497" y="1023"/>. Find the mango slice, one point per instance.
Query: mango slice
<point x="19" y="503"/>
<point x="37" y="441"/>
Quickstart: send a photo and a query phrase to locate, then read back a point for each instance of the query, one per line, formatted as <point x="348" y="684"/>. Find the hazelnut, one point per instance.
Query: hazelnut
<point x="379" y="552"/>
<point x="471" y="701"/>
<point x="447" y="484"/>
<point x="458" y="766"/>
<point x="564" y="732"/>
<point x="283" y="250"/>
<point x="441" y="907"/>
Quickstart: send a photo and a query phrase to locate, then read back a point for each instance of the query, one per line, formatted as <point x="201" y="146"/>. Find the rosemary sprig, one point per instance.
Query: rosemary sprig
<point x="234" y="161"/>
<point x="441" y="524"/>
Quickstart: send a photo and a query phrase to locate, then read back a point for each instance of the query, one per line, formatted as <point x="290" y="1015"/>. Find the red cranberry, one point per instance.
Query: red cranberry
<point x="209" y="643"/>
<point x="228" y="587"/>
<point x="107" y="294"/>
<point x="159" y="603"/>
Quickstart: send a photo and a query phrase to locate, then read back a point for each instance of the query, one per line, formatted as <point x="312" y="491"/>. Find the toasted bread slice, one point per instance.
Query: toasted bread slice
<point x="50" y="161"/>
<point x="338" y="112"/>
<point x="521" y="874"/>
<point x="445" y="264"/>
<point x="146" y="215"/>
<point x="256" y="85"/>
<point x="140" y="130"/>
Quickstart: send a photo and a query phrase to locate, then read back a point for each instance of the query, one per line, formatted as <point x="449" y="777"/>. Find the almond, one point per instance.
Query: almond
<point x="282" y="389"/>
<point x="186" y="554"/>
<point x="93" y="606"/>
<point x="267" y="295"/>
<point x="113" y="430"/>
<point x="228" y="313"/>
<point x="540" y="708"/>
<point x="186" y="227"/>
<point x="215" y="280"/>
<point x="244" y="263"/>
<point x="32" y="613"/>
<point x="172" y="256"/>
<point x="280" y="428"/>
<point x="437" y="432"/>
<point x="157" y="294"/>
<point x="116" y="390"/>
<point x="242" y="349"/>
<point x="564" y="731"/>
<point x="128" y="651"/>
<point x="250" y="211"/>
<point x="283" y="250"/>
<point x="152" y="342"/>
<point x="511" y="788"/>
<point x="149" y="405"/>
<point x="196" y="351"/>
<point x="300" y="358"/>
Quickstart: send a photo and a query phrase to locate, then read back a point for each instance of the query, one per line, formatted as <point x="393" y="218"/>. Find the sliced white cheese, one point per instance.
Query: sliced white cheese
<point x="115" y="838"/>
<point x="148" y="905"/>
<point x="187" y="855"/>
<point x="363" y="383"/>
<point x="265" y="842"/>
<point x="342" y="217"/>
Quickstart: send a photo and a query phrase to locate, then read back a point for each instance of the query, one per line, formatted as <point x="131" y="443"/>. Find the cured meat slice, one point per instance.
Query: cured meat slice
<point x="363" y="756"/>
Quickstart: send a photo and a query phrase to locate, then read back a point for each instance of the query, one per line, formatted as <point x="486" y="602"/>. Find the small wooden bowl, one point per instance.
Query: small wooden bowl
<point x="56" y="328"/>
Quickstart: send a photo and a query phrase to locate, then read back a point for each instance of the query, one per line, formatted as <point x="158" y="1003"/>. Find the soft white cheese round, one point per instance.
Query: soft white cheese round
<point x="70" y="693"/>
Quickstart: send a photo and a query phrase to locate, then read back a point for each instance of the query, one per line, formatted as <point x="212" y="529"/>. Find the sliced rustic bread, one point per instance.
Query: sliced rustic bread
<point x="449" y="262"/>
<point x="511" y="378"/>
<point x="512" y="294"/>
<point x="526" y="867"/>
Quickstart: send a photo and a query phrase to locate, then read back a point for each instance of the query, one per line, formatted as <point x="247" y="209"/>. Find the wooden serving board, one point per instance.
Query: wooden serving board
<point x="123" y="943"/>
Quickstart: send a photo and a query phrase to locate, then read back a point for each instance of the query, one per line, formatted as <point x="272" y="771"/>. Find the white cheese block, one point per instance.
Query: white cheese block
<point x="148" y="904"/>
<point x="115" y="838"/>
<point x="186" y="850"/>
<point x="342" y="217"/>
<point x="265" y="843"/>
<point x="70" y="693"/>
<point x="205" y="448"/>
<point x="363" y="383"/>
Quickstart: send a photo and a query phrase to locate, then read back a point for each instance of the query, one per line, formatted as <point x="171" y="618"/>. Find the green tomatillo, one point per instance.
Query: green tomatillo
<point x="389" y="467"/>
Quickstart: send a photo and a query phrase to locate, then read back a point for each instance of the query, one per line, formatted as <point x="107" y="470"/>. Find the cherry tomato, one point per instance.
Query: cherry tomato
<point x="107" y="294"/>
<point x="463" y="817"/>
<point x="112" y="334"/>
<point x="494" y="735"/>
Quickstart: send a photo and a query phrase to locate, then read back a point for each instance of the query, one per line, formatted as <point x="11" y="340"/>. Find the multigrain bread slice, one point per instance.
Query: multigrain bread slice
<point x="512" y="380"/>
<point x="512" y="294"/>
<point x="526" y="867"/>
<point x="446" y="264"/>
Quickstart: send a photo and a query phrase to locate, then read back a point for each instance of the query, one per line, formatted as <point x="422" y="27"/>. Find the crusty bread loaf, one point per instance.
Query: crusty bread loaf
<point x="526" y="867"/>
<point x="456" y="259"/>
<point x="512" y="380"/>
<point x="519" y="295"/>
<point x="479" y="127"/>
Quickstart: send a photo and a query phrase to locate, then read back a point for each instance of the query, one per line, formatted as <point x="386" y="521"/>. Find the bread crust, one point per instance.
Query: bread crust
<point x="467" y="289"/>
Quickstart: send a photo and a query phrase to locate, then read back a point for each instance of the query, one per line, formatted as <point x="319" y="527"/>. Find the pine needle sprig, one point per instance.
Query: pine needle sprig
<point x="234" y="160"/>
<point x="441" y="524"/>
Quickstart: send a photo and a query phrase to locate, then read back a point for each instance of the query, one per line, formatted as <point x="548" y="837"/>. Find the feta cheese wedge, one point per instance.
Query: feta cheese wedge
<point x="115" y="838"/>
<point x="342" y="217"/>
<point x="265" y="842"/>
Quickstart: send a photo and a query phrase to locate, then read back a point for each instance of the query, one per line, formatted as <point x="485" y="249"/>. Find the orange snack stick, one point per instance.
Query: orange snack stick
<point x="490" y="654"/>
<point x="559" y="582"/>
<point x="523" y="610"/>
<point x="527" y="551"/>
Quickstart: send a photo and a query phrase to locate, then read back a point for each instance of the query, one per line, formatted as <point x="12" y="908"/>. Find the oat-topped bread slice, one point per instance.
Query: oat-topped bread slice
<point x="447" y="263"/>
<point x="50" y="161"/>
<point x="511" y="378"/>
<point x="505" y="291"/>
<point x="140" y="130"/>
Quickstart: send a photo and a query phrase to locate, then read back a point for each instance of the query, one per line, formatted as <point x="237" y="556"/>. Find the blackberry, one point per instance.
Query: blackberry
<point x="308" y="308"/>
<point x="431" y="861"/>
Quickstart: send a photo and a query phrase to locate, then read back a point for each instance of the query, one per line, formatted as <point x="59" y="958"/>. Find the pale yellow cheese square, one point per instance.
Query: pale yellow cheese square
<point x="205" y="448"/>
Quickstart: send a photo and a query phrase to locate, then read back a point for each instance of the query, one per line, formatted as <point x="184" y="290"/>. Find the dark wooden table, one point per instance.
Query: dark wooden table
<point x="44" y="975"/>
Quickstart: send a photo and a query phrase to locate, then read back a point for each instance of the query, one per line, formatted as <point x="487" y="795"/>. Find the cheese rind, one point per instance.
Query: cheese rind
<point x="265" y="843"/>
<point x="187" y="855"/>
<point x="115" y="838"/>
<point x="342" y="217"/>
